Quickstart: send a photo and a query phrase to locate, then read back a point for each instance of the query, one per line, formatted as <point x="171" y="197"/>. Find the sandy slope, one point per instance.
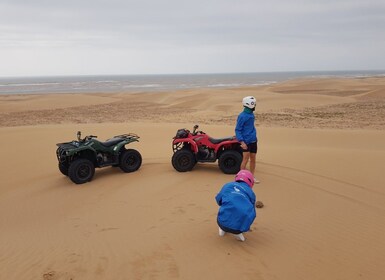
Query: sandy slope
<point x="323" y="190"/>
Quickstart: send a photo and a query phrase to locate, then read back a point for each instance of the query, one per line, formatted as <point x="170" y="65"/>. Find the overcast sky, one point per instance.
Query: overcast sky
<point x="88" y="37"/>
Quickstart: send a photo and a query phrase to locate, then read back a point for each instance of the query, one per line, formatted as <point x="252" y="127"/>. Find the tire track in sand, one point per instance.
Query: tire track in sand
<point x="346" y="190"/>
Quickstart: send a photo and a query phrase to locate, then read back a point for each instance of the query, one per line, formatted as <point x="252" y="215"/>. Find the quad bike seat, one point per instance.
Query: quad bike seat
<point x="111" y="142"/>
<point x="219" y="140"/>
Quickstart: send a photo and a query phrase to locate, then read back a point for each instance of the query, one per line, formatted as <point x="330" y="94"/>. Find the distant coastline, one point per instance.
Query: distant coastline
<point x="163" y="82"/>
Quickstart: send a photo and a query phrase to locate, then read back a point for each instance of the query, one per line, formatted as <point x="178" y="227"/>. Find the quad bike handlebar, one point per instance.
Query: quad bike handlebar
<point x="89" y="137"/>
<point x="79" y="136"/>
<point x="195" y="132"/>
<point x="194" y="129"/>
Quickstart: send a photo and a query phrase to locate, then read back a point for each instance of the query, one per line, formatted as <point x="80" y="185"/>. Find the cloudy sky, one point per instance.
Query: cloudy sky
<point x="88" y="37"/>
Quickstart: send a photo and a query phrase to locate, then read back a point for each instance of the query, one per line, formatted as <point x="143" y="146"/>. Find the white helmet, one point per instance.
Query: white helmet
<point x="249" y="102"/>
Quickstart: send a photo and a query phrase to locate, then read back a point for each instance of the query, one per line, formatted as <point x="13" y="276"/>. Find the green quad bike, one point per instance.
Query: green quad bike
<point x="78" y="159"/>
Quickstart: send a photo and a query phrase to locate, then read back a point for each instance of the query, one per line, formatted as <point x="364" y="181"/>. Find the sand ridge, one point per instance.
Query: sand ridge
<point x="322" y="103"/>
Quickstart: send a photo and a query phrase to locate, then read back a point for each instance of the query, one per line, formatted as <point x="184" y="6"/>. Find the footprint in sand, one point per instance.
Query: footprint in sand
<point x="158" y="264"/>
<point x="54" y="275"/>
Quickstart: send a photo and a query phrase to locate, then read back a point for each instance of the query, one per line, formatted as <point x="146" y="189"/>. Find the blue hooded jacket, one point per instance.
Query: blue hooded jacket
<point x="237" y="206"/>
<point x="245" y="129"/>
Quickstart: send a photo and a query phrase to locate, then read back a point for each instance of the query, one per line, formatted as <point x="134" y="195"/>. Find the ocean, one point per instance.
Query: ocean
<point x="145" y="83"/>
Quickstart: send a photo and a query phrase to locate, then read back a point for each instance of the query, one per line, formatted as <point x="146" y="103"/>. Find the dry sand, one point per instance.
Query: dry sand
<point x="321" y="164"/>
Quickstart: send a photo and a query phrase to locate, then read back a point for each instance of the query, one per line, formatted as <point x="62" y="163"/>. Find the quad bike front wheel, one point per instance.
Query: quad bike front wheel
<point x="81" y="171"/>
<point x="63" y="168"/>
<point x="230" y="162"/>
<point x="130" y="160"/>
<point x="183" y="160"/>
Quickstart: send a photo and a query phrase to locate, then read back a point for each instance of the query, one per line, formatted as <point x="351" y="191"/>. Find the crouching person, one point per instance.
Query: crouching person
<point x="236" y="202"/>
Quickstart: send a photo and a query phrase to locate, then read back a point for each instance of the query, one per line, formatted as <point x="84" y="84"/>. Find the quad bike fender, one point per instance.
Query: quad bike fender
<point x="80" y="150"/>
<point x="119" y="146"/>
<point x="234" y="144"/>
<point x="63" y="143"/>
<point x="193" y="144"/>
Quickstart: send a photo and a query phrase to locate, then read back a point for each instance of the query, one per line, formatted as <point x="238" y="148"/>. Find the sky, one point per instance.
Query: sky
<point x="108" y="37"/>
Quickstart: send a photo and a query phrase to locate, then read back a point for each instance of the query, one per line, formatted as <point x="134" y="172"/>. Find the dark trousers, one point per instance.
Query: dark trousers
<point x="226" y="229"/>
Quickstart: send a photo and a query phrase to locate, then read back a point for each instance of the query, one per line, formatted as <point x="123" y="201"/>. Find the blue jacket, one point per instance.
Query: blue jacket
<point x="245" y="129"/>
<point x="237" y="206"/>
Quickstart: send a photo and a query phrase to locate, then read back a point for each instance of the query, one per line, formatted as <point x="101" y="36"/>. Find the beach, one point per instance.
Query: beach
<point x="320" y="161"/>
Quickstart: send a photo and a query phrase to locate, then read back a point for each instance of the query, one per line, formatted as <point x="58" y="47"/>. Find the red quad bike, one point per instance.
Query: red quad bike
<point x="192" y="147"/>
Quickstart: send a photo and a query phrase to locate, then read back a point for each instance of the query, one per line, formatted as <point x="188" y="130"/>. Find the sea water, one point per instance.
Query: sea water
<point x="145" y="83"/>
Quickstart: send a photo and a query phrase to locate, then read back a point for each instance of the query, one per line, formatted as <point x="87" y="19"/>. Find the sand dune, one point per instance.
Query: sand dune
<point x="323" y="191"/>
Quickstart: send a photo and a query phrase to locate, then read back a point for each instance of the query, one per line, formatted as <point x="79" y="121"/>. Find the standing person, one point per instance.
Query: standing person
<point x="237" y="205"/>
<point x="246" y="134"/>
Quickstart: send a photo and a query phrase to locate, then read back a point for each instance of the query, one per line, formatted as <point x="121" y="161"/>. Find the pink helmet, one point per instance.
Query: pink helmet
<point x="245" y="176"/>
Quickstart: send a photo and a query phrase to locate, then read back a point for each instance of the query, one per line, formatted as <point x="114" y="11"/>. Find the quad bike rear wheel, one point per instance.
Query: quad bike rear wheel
<point x="81" y="171"/>
<point x="183" y="160"/>
<point x="130" y="160"/>
<point x="230" y="162"/>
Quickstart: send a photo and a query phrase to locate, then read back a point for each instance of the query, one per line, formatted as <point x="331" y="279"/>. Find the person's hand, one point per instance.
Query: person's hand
<point x="243" y="145"/>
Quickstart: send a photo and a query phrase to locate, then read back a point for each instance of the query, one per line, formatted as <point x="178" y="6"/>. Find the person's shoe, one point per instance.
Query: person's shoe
<point x="221" y="232"/>
<point x="240" y="237"/>
<point x="256" y="181"/>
